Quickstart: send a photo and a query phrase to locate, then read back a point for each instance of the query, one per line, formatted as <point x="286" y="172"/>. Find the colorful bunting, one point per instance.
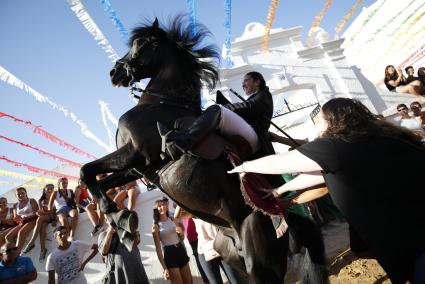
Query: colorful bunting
<point x="16" y="175"/>
<point x="317" y="20"/>
<point x="404" y="33"/>
<point x="191" y="11"/>
<point x="80" y="11"/>
<point x="228" y="27"/>
<point x="51" y="137"/>
<point x="54" y="157"/>
<point x="369" y="16"/>
<point x="344" y="21"/>
<point x="107" y="115"/>
<point x="9" y="78"/>
<point x="26" y="185"/>
<point x="37" y="170"/>
<point x="107" y="6"/>
<point x="270" y="18"/>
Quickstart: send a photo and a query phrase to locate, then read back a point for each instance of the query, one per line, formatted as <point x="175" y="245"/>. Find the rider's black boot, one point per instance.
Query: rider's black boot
<point x="179" y="142"/>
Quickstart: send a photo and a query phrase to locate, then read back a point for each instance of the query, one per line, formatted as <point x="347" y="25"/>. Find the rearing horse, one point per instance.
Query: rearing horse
<point x="177" y="66"/>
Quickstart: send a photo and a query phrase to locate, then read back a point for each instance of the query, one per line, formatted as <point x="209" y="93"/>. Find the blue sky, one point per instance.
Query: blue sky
<point x="44" y="44"/>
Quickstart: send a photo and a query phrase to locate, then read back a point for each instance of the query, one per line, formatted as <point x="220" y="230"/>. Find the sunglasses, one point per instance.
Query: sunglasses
<point x="9" y="250"/>
<point x="403" y="108"/>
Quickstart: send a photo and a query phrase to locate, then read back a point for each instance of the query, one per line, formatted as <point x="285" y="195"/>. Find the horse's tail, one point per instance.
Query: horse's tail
<point x="308" y="248"/>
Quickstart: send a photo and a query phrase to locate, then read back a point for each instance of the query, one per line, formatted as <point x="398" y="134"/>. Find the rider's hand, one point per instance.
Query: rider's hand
<point x="270" y="194"/>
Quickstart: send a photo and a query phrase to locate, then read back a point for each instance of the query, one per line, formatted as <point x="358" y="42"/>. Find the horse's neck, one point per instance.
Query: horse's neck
<point x="172" y="81"/>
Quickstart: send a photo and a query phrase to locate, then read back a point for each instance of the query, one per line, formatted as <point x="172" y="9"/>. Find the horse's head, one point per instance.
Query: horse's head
<point x="135" y="65"/>
<point x="172" y="57"/>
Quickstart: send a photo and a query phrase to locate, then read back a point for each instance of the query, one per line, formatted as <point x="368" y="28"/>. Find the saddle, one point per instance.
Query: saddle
<point x="214" y="144"/>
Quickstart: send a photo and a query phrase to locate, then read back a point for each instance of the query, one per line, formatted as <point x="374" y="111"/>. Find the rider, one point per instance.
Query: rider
<point x="249" y="119"/>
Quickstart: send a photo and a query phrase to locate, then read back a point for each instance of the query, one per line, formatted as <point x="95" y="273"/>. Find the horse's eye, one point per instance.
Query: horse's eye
<point x="155" y="44"/>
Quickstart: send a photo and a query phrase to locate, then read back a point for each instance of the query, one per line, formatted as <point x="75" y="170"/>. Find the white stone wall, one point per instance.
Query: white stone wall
<point x="293" y="72"/>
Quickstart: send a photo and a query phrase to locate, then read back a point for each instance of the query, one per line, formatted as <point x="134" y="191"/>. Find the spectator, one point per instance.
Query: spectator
<point x="408" y="121"/>
<point x="395" y="82"/>
<point x="416" y="109"/>
<point x="421" y="76"/>
<point x="359" y="156"/>
<point x="170" y="234"/>
<point x="15" y="269"/>
<point x="130" y="191"/>
<point x="209" y="259"/>
<point x="87" y="203"/>
<point x="6" y="220"/>
<point x="65" y="204"/>
<point x="67" y="260"/>
<point x="24" y="213"/>
<point x="44" y="218"/>
<point x="410" y="71"/>
<point x="192" y="237"/>
<point x="82" y="195"/>
<point x="121" y="264"/>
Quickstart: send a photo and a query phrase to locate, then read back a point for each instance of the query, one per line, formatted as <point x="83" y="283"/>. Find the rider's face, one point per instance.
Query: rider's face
<point x="249" y="85"/>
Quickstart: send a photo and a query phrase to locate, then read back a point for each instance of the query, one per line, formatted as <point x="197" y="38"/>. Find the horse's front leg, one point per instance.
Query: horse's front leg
<point x="117" y="162"/>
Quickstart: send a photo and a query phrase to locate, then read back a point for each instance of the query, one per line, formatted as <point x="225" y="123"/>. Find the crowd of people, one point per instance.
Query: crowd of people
<point x="396" y="81"/>
<point x="61" y="208"/>
<point x="412" y="117"/>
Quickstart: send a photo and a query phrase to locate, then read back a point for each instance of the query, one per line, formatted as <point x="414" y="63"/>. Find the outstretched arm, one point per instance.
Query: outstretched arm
<point x="302" y="181"/>
<point x="290" y="162"/>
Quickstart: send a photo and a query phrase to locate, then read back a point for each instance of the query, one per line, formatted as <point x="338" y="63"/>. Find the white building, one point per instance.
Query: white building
<point x="299" y="77"/>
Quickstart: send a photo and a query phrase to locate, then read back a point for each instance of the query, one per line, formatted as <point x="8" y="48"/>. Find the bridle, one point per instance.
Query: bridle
<point x="130" y="65"/>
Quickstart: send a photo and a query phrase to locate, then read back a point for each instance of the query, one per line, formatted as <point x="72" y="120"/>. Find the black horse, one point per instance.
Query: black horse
<point x="178" y="66"/>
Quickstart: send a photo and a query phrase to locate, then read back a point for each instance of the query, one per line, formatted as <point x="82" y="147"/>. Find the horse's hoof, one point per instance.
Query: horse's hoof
<point x="127" y="220"/>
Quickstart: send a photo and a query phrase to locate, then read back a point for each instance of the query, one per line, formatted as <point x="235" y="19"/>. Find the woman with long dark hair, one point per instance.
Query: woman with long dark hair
<point x="44" y="218"/>
<point x="170" y="234"/>
<point x="64" y="201"/>
<point x="370" y="167"/>
<point x="6" y="220"/>
<point x="24" y="214"/>
<point x="395" y="82"/>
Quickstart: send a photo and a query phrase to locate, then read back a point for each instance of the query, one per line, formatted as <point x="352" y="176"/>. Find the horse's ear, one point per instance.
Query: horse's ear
<point x="155" y="23"/>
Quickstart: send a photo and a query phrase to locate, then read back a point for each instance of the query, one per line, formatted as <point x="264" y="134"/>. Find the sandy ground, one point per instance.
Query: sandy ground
<point x="344" y="267"/>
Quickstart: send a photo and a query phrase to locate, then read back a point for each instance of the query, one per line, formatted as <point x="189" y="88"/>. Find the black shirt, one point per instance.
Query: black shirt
<point x="378" y="185"/>
<point x="411" y="79"/>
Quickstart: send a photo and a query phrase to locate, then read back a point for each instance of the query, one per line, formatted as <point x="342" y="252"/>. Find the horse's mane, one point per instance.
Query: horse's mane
<point x="202" y="60"/>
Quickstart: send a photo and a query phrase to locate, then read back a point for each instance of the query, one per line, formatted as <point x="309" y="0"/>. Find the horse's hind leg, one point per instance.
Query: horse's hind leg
<point x="310" y="263"/>
<point x="265" y="255"/>
<point x="116" y="162"/>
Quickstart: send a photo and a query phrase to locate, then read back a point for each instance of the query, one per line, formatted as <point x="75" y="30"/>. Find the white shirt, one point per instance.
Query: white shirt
<point x="206" y="236"/>
<point x="66" y="263"/>
<point x="411" y="123"/>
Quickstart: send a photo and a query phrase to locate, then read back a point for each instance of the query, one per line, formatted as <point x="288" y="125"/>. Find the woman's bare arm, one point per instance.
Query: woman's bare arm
<point x="290" y="162"/>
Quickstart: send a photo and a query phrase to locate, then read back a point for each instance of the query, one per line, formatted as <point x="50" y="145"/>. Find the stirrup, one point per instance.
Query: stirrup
<point x="169" y="149"/>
